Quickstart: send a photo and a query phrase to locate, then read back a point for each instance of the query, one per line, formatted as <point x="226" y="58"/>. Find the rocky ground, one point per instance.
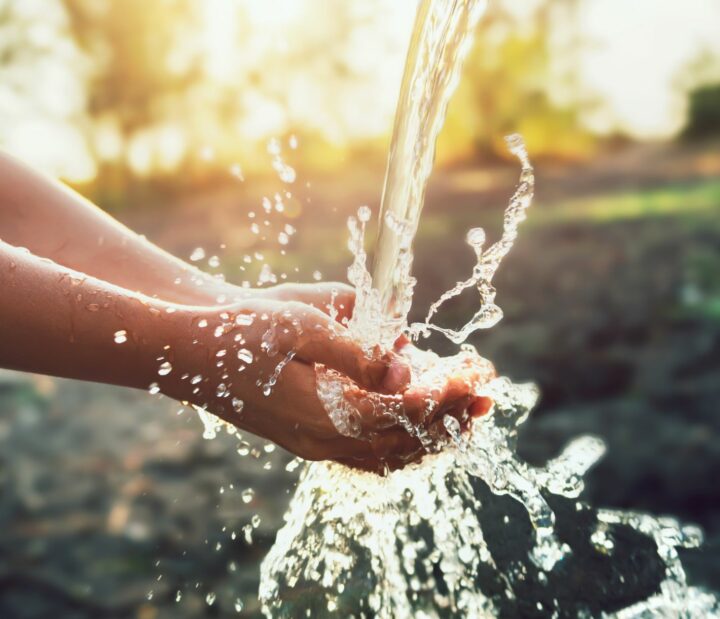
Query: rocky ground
<point x="112" y="504"/>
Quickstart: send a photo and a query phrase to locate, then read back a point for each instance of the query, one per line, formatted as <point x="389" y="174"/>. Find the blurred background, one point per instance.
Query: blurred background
<point x="252" y="129"/>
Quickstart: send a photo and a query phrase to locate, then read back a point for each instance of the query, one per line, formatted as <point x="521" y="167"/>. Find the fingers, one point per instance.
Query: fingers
<point x="321" y="296"/>
<point x="299" y="421"/>
<point x="314" y="338"/>
<point x="295" y="416"/>
<point x="481" y="406"/>
<point x="378" y="412"/>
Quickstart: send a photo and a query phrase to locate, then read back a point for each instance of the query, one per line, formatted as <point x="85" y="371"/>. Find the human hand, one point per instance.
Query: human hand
<point x="253" y="365"/>
<point x="333" y="298"/>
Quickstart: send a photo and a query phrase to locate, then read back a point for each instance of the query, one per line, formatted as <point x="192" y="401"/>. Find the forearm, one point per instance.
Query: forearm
<point x="55" y="222"/>
<point x="59" y="322"/>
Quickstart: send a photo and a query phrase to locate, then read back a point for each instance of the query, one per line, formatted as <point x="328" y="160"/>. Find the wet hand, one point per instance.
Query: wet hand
<point x="253" y="365"/>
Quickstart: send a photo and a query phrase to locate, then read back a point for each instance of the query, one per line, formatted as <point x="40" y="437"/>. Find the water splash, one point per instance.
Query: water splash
<point x="421" y="542"/>
<point x="270" y="383"/>
<point x="364" y="325"/>
<point x="441" y="39"/>
<point x="488" y="261"/>
<point x="331" y="392"/>
<point x="416" y="543"/>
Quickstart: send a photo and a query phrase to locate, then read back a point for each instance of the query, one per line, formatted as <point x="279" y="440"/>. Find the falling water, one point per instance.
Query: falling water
<point x="441" y="39"/>
<point x="472" y="530"/>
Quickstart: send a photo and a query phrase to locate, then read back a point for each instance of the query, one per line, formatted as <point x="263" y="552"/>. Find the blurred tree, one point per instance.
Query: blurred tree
<point x="704" y="112"/>
<point x="520" y="76"/>
<point x="701" y="80"/>
<point x="189" y="87"/>
<point x="138" y="76"/>
<point x="42" y="89"/>
<point x="198" y="85"/>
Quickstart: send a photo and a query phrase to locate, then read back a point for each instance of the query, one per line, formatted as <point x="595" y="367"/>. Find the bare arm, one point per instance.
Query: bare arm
<point x="55" y="222"/>
<point x="94" y="301"/>
<point x="63" y="323"/>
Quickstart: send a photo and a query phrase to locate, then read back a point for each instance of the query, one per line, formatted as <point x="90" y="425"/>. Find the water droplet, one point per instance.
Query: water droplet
<point x="266" y="275"/>
<point x="178" y="595"/>
<point x="210" y="598"/>
<point x="237" y="172"/>
<point x="197" y="254"/>
<point x="283" y="238"/>
<point x="244" y="320"/>
<point x="287" y="174"/>
<point x="247" y="532"/>
<point x="154" y="389"/>
<point x="273" y="146"/>
<point x="121" y="336"/>
<point x="165" y="368"/>
<point x="238" y="605"/>
<point x="292" y="465"/>
<point x="202" y="323"/>
<point x="237" y="405"/>
<point x="247" y="495"/>
<point x="214" y="262"/>
<point x="476" y="237"/>
<point x="364" y="214"/>
<point x="317" y="276"/>
<point x="93" y="307"/>
<point x="245" y="355"/>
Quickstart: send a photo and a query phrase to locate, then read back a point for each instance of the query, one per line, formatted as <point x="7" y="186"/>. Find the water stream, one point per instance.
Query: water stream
<point x="472" y="530"/>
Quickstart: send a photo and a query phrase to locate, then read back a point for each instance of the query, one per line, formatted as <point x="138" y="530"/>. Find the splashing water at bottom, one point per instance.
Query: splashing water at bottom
<point x="472" y="530"/>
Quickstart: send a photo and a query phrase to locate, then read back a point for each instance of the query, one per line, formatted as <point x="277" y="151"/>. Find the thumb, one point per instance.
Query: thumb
<point x="316" y="338"/>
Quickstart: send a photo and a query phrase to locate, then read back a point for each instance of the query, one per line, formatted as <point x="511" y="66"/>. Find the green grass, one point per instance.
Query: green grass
<point x="701" y="198"/>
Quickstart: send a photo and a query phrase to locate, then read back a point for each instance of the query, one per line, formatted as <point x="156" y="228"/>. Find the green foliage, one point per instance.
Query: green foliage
<point x="131" y="43"/>
<point x="698" y="199"/>
<point x="704" y="113"/>
<point x="518" y="78"/>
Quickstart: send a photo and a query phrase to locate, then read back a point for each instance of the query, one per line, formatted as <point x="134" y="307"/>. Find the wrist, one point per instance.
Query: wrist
<point x="186" y="368"/>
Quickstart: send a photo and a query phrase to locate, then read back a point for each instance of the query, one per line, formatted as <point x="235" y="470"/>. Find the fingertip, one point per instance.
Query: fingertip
<point x="481" y="406"/>
<point x="401" y="342"/>
<point x="397" y="376"/>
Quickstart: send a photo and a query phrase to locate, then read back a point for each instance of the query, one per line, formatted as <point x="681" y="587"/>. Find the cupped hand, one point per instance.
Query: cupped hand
<point x="253" y="364"/>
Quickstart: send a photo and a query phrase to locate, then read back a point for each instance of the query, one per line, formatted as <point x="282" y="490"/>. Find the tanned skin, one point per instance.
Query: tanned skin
<point x="72" y="277"/>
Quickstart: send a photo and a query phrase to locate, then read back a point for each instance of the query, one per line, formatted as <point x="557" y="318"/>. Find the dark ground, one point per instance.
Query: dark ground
<point x="111" y="503"/>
